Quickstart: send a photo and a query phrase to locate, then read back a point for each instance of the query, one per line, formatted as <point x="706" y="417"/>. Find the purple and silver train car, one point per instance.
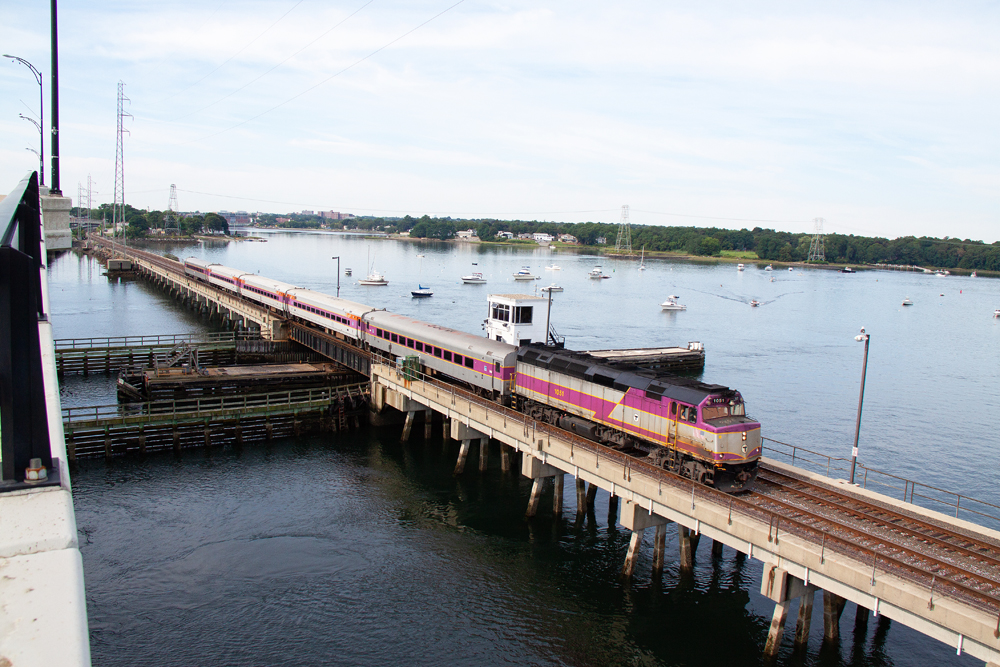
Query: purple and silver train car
<point x="697" y="430"/>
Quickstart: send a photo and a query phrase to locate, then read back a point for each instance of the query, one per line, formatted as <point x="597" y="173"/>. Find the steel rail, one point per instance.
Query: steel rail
<point x="917" y="528"/>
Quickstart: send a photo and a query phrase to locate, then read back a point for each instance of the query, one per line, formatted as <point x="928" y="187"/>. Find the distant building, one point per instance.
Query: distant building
<point x="335" y="215"/>
<point x="282" y="220"/>
<point x="542" y="238"/>
<point x="567" y="238"/>
<point x="307" y="213"/>
<point x="527" y="236"/>
<point x="601" y="240"/>
<point x="466" y="235"/>
<point x="237" y="218"/>
<point x="505" y="235"/>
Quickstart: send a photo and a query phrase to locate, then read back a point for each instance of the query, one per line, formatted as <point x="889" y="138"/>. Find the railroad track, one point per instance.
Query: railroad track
<point x="907" y="543"/>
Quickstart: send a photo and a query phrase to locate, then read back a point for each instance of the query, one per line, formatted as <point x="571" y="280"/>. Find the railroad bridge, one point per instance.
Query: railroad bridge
<point x="937" y="574"/>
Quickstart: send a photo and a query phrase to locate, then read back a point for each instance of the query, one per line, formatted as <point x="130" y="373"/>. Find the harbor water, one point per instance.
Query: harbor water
<point x="356" y="549"/>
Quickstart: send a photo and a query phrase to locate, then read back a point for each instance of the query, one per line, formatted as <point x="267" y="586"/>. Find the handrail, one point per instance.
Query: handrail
<point x="908" y="488"/>
<point x="192" y="407"/>
<point x="65" y="344"/>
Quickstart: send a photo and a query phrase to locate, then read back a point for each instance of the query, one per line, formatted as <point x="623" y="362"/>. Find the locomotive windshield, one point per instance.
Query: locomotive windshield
<point x="733" y="408"/>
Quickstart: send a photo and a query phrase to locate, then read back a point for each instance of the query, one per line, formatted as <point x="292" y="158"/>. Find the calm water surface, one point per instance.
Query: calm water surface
<point x="355" y="549"/>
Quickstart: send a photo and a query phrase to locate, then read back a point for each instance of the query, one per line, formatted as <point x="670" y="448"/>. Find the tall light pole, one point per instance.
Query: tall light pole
<point x="41" y="114"/>
<point x="338" y="274"/>
<point x="41" y="161"/>
<point x="54" y="102"/>
<point x="862" y="337"/>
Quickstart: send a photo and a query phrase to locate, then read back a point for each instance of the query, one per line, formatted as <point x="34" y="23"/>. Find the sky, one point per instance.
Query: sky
<point x="878" y="117"/>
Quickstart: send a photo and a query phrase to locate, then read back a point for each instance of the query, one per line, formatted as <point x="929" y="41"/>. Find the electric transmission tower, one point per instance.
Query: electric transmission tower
<point x="624" y="242"/>
<point x="170" y="220"/>
<point x="816" y="251"/>
<point x="118" y="208"/>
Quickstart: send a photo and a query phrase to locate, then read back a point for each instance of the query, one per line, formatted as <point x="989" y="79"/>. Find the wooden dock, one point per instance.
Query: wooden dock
<point x="111" y="430"/>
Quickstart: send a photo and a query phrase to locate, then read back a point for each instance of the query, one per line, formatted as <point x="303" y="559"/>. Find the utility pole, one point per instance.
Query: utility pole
<point x="624" y="242"/>
<point x="118" y="208"/>
<point x="817" y="253"/>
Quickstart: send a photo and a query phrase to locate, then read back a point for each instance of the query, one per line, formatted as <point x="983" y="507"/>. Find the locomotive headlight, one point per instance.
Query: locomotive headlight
<point x="744" y="439"/>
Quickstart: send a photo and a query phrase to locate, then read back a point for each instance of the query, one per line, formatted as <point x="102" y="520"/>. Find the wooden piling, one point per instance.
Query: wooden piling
<point x="591" y="496"/>
<point x="504" y="458"/>
<point x="428" y="423"/>
<point x="407" y="426"/>
<point x="613" y="510"/>
<point x="484" y="454"/>
<point x="581" y="497"/>
<point x="716" y="548"/>
<point x="659" y="548"/>
<point x="686" y="549"/>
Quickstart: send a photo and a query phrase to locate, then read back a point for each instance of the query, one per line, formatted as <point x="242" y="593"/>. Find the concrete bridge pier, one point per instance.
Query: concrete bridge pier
<point x="407" y="425"/>
<point x="637" y="519"/>
<point x="613" y="510"/>
<point x="504" y="458"/>
<point x="534" y="469"/>
<point x="428" y="423"/>
<point x="460" y="431"/>
<point x="557" y="494"/>
<point x="484" y="454"/>
<point x="659" y="549"/>
<point x="782" y="587"/>
<point x="591" y="496"/>
<point x="688" y="544"/>
<point x="581" y="498"/>
<point x="833" y="607"/>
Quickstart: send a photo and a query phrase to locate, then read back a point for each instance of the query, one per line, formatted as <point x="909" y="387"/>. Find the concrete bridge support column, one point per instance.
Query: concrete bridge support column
<point x="591" y="496"/>
<point x="557" y="494"/>
<point x="460" y="431"/>
<point x="463" y="454"/>
<point x="581" y="497"/>
<point x="446" y="427"/>
<point x="534" y="469"/>
<point x="716" y="548"/>
<point x="407" y="426"/>
<point x="833" y="607"/>
<point x="659" y="549"/>
<point x="782" y="587"/>
<point x="428" y="423"/>
<point x="613" y="510"/>
<point x="688" y="543"/>
<point x="484" y="454"/>
<point x="637" y="519"/>
<point x="504" y="458"/>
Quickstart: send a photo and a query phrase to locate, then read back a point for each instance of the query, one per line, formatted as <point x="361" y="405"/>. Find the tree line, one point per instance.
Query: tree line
<point x="139" y="223"/>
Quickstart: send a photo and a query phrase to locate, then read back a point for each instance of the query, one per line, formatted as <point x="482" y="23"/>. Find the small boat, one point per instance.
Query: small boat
<point x="972" y="275"/>
<point x="347" y="272"/>
<point x="552" y="288"/>
<point x="374" y="279"/>
<point x="847" y="269"/>
<point x="420" y="256"/>
<point x="996" y="313"/>
<point x="940" y="273"/>
<point x="769" y="268"/>
<point x="790" y="269"/>
<point x="421" y="291"/>
<point x="907" y="302"/>
<point x="671" y="303"/>
<point x="739" y="267"/>
<point x="553" y="268"/>
<point x="596" y="273"/>
<point x="525" y="274"/>
<point x="474" y="279"/>
<point x="754" y="303"/>
<point x="772" y="279"/>
<point x="642" y="259"/>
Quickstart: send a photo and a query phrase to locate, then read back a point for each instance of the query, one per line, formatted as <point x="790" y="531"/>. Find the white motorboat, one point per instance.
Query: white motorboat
<point x="597" y="273"/>
<point x="790" y="269"/>
<point x="996" y="313"/>
<point x="739" y="267"/>
<point x="907" y="302"/>
<point x="421" y="291"/>
<point x="553" y="268"/>
<point x="474" y="279"/>
<point x="374" y="279"/>
<point x="671" y="303"/>
<point x="525" y="274"/>
<point x="347" y="272"/>
<point x="754" y="303"/>
<point x="552" y="288"/>
<point x="972" y="275"/>
<point x="940" y="273"/>
<point x="769" y="268"/>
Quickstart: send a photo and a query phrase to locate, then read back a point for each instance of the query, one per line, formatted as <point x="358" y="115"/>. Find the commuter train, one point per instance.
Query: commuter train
<point x="697" y="430"/>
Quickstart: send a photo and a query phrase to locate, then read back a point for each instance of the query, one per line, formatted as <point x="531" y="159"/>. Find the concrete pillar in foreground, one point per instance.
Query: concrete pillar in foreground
<point x="633" y="553"/>
<point x="463" y="454"/>
<point x="557" y="494"/>
<point x="536" y="495"/>
<point x="428" y="423"/>
<point x="833" y="607"/>
<point x="804" y="620"/>
<point x="777" y="629"/>
<point x="407" y="426"/>
<point x="55" y="220"/>
<point x="484" y="453"/>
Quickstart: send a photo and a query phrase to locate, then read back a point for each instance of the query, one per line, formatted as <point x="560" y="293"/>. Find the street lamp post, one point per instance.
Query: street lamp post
<point x="862" y="337"/>
<point x="338" y="274"/>
<point x="41" y="114"/>
<point x="41" y="161"/>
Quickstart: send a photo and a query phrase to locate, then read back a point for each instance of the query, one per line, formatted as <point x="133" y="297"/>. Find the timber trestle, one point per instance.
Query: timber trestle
<point x="160" y="425"/>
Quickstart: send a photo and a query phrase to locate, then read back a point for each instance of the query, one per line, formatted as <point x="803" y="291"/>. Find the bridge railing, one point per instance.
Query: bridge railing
<point x="24" y="431"/>
<point x="195" y="407"/>
<point x="64" y="344"/>
<point x="896" y="486"/>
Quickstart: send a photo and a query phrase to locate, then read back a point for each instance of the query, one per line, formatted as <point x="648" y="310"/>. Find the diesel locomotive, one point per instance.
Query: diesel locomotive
<point x="697" y="430"/>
